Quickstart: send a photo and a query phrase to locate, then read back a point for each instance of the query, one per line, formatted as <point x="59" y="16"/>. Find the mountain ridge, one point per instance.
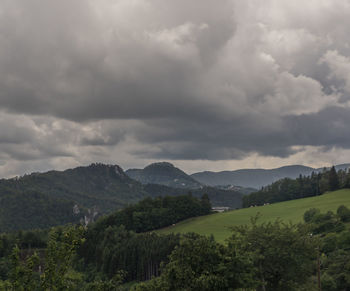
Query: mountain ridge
<point x="256" y="178"/>
<point x="54" y="195"/>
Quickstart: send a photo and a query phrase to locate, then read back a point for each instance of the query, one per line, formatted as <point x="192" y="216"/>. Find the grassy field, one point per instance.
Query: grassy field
<point x="218" y="224"/>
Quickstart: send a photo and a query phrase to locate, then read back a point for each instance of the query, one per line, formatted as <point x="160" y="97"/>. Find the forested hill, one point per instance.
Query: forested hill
<point x="47" y="199"/>
<point x="104" y="186"/>
<point x="290" y="189"/>
<point x="164" y="174"/>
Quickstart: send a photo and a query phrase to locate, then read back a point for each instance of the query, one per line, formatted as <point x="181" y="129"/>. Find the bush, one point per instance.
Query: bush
<point x="343" y="213"/>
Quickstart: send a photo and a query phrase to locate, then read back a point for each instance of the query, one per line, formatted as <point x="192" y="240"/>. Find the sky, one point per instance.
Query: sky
<point x="206" y="85"/>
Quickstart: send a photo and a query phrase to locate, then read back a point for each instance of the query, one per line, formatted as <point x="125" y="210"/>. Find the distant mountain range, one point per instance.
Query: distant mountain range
<point x="256" y="178"/>
<point x="42" y="200"/>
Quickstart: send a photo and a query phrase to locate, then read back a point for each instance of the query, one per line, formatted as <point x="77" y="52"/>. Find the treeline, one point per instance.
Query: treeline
<point x="150" y="214"/>
<point x="25" y="240"/>
<point x="304" y="186"/>
<point x="43" y="200"/>
<point x="268" y="256"/>
<point x="271" y="256"/>
<point x="118" y="242"/>
<point x="115" y="249"/>
<point x="333" y="237"/>
<point x="259" y="256"/>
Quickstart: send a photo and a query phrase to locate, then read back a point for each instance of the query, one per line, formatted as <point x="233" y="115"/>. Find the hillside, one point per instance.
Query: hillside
<point x="22" y="211"/>
<point x="164" y="174"/>
<point x="104" y="186"/>
<point x="218" y="224"/>
<point x="255" y="178"/>
<point x="47" y="199"/>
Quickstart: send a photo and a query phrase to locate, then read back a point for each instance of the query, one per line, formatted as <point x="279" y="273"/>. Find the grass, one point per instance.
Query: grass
<point x="289" y="211"/>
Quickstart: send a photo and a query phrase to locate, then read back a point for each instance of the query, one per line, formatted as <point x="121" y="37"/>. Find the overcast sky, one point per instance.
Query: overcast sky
<point x="206" y="85"/>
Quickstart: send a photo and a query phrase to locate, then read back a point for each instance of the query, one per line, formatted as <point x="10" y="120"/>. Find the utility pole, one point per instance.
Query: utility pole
<point x="319" y="269"/>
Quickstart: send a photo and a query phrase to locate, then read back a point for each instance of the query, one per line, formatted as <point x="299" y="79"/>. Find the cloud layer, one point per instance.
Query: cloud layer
<point x="130" y="82"/>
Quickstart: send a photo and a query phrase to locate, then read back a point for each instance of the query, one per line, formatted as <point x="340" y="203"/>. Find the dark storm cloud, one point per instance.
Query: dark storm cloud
<point x="87" y="80"/>
<point x="80" y="68"/>
<point x="237" y="138"/>
<point x="329" y="128"/>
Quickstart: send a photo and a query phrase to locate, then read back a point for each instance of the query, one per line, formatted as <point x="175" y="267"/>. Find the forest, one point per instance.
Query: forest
<point x="108" y="255"/>
<point x="304" y="186"/>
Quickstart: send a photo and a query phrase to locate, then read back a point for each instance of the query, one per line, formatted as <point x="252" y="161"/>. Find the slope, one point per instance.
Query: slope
<point x="218" y="224"/>
<point x="47" y="199"/>
<point x="32" y="210"/>
<point x="103" y="186"/>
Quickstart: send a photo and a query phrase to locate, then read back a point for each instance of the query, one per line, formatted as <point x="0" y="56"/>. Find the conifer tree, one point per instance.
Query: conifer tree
<point x="333" y="180"/>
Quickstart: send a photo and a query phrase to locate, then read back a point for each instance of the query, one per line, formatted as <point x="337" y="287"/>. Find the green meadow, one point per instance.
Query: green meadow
<point x="289" y="211"/>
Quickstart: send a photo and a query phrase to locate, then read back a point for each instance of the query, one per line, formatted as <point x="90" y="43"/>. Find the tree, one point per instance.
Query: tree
<point x="206" y="205"/>
<point x="283" y="254"/>
<point x="310" y="214"/>
<point x="198" y="263"/>
<point x="344" y="213"/>
<point x="333" y="180"/>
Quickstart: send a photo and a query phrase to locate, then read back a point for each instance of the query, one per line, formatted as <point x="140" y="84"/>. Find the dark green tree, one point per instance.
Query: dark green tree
<point x="333" y="180"/>
<point x="283" y="254"/>
<point x="344" y="213"/>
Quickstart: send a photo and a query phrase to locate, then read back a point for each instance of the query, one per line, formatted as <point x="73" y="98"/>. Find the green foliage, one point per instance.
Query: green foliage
<point x="217" y="224"/>
<point x="334" y="248"/>
<point x="218" y="197"/>
<point x="115" y="249"/>
<point x="274" y="255"/>
<point x="198" y="263"/>
<point x="43" y="200"/>
<point x="112" y="246"/>
<point x="34" y="210"/>
<point x="283" y="254"/>
<point x="326" y="222"/>
<point x="61" y="247"/>
<point x="150" y="214"/>
<point x="310" y="214"/>
<point x="344" y="213"/>
<point x="289" y="189"/>
<point x="333" y="180"/>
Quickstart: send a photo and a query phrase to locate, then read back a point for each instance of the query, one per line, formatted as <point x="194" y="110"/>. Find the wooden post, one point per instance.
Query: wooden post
<point x="318" y="269"/>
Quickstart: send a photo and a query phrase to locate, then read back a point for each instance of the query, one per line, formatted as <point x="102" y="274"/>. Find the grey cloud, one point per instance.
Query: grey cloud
<point x="79" y="67"/>
<point x="84" y="80"/>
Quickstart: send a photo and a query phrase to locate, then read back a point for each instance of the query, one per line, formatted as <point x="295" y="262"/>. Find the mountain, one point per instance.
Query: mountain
<point x="255" y="178"/>
<point x="42" y="200"/>
<point x="57" y="197"/>
<point x="338" y="167"/>
<point x="164" y="174"/>
<point x="104" y="186"/>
